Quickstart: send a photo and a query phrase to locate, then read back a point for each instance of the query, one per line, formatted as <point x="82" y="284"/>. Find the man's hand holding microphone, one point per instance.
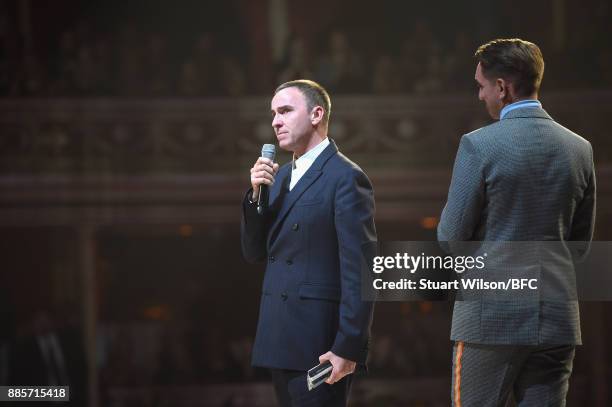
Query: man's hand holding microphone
<point x="262" y="176"/>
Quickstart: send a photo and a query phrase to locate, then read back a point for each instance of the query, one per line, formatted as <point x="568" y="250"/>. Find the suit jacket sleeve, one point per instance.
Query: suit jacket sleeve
<point x="354" y="222"/>
<point x="253" y="231"/>
<point x="583" y="223"/>
<point x="463" y="211"/>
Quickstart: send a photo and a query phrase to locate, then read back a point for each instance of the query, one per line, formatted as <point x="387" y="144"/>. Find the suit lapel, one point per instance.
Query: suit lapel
<point x="280" y="188"/>
<point x="309" y="177"/>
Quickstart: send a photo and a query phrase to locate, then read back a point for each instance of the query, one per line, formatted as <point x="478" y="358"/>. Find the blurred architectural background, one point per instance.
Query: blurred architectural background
<point x="126" y="133"/>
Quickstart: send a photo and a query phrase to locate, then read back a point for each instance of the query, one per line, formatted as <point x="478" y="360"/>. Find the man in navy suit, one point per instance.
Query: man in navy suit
<point x="320" y="218"/>
<point x="523" y="178"/>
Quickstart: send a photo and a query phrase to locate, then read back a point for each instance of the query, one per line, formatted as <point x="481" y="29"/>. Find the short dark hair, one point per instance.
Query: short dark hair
<point x="315" y="95"/>
<point x="517" y="61"/>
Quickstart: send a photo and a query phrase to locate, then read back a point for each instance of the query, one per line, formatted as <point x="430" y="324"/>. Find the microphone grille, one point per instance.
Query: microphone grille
<point x="268" y="151"/>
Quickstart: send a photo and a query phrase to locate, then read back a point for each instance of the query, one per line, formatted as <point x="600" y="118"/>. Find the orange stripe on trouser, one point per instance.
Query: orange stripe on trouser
<point x="457" y="388"/>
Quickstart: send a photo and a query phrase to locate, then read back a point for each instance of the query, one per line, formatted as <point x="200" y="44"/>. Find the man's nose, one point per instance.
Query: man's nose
<point x="276" y="121"/>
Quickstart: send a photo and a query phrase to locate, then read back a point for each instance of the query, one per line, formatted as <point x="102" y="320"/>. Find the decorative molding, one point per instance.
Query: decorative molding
<point x="106" y="161"/>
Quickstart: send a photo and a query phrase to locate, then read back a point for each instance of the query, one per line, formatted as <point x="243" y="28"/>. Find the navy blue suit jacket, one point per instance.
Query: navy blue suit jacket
<point x="312" y="239"/>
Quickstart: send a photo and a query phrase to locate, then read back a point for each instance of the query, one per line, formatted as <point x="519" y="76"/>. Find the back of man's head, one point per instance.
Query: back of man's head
<point x="315" y="95"/>
<point x="514" y="60"/>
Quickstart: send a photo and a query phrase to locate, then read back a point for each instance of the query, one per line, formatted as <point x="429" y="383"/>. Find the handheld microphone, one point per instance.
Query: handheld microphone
<point x="267" y="151"/>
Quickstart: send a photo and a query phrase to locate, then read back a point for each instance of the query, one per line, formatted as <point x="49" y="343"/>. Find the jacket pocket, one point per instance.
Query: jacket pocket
<point x="319" y="292"/>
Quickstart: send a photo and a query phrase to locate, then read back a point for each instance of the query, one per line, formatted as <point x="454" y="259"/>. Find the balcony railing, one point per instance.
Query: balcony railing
<point x="171" y="136"/>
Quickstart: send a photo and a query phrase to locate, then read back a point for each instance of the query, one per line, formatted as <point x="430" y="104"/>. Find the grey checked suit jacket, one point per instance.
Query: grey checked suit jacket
<point x="523" y="178"/>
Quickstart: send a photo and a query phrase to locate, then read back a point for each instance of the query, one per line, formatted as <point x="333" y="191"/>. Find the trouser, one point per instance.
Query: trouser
<point x="486" y="375"/>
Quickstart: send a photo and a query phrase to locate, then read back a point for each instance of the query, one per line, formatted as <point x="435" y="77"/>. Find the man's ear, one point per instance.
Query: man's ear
<point x="502" y="88"/>
<point x="316" y="115"/>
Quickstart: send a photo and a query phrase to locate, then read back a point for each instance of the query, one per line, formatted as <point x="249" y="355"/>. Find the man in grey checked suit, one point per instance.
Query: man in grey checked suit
<point x="522" y="178"/>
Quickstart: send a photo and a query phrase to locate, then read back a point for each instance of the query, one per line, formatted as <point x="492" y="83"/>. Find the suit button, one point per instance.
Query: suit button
<point x="289" y="262"/>
<point x="295" y="227"/>
<point x="272" y="259"/>
<point x="284" y="296"/>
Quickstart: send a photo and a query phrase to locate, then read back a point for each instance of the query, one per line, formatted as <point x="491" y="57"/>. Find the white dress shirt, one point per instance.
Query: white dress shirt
<point x="302" y="164"/>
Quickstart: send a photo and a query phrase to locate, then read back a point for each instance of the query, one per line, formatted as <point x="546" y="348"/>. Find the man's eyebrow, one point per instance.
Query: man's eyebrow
<point x="283" y="107"/>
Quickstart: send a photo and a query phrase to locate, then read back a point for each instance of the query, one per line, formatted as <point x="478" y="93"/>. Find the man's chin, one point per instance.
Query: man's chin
<point x="284" y="145"/>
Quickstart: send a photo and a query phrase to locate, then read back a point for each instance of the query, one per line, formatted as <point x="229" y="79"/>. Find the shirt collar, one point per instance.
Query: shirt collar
<point x="311" y="155"/>
<point x="517" y="105"/>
